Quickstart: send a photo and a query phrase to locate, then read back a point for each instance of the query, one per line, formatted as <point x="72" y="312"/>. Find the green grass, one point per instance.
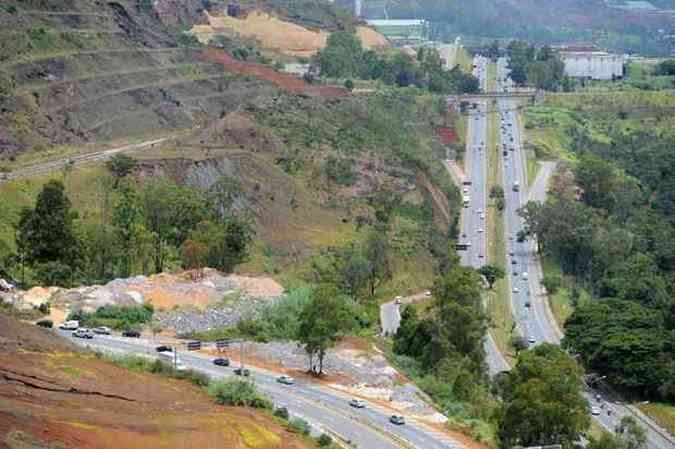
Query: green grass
<point x="662" y="413"/>
<point x="498" y="304"/>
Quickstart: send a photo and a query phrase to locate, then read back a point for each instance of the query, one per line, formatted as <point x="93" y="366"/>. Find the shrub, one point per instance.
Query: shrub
<point x="324" y="440"/>
<point x="45" y="323"/>
<point x="299" y="425"/>
<point x="281" y="412"/>
<point x="239" y="393"/>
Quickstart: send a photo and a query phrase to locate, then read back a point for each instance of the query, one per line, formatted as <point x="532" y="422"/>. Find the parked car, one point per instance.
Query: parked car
<point x="83" y="332"/>
<point x="397" y="419"/>
<point x="242" y="372"/>
<point x="164" y="348"/>
<point x="286" y="380"/>
<point x="221" y="361"/>
<point x="131" y="333"/>
<point x="357" y="403"/>
<point x="102" y="330"/>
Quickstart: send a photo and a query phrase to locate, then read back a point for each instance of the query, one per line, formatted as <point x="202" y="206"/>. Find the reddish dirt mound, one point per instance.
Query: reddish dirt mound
<point x="446" y="135"/>
<point x="284" y="81"/>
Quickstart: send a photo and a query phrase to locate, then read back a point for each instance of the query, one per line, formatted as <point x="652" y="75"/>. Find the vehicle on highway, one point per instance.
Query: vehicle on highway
<point x="595" y="411"/>
<point x="481" y="230"/>
<point x="480" y="255"/>
<point x="398" y="299"/>
<point x="525" y="275"/>
<point x="531" y="340"/>
<point x="102" y="330"/>
<point x="83" y="332"/>
<point x="131" y="333"/>
<point x="357" y="403"/>
<point x="286" y="380"/>
<point x="397" y="419"/>
<point x="164" y="348"/>
<point x="172" y="359"/>
<point x="70" y="325"/>
<point x="527" y="304"/>
<point x="516" y="186"/>
<point x="515" y="290"/>
<point x="242" y="372"/>
<point x="221" y="361"/>
<point x="427" y="293"/>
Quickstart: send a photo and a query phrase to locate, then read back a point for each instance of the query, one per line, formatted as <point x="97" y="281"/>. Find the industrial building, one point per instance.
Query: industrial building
<point x="402" y="31"/>
<point x="592" y="63"/>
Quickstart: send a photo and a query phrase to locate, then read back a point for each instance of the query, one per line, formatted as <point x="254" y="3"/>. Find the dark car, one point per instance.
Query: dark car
<point x="221" y="362"/>
<point x="164" y="348"/>
<point x="131" y="333"/>
<point x="242" y="372"/>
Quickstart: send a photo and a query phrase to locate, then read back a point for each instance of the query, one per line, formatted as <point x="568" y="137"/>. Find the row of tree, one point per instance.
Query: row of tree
<point x="141" y="228"/>
<point x="539" y="67"/>
<point x="344" y="57"/>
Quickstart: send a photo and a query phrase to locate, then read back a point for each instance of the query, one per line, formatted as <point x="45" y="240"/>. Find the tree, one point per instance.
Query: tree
<point x="218" y="245"/>
<point x="323" y="320"/>
<point x="129" y="225"/>
<point x="628" y="435"/>
<point x="552" y="283"/>
<point x="597" y="179"/>
<point x="542" y="399"/>
<point x="46" y="235"/>
<point x="376" y="251"/>
<point x="119" y="166"/>
<point x="349" y="85"/>
<point x="492" y="273"/>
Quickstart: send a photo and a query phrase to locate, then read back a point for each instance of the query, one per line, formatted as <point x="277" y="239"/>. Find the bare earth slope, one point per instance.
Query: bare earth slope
<point x="53" y="398"/>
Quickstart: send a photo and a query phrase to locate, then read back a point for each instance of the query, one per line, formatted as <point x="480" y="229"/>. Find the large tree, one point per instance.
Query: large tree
<point x="46" y="235"/>
<point x="323" y="320"/>
<point x="542" y="399"/>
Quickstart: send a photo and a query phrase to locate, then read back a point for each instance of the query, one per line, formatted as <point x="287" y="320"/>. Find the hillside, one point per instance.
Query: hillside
<point x="52" y="397"/>
<point x="313" y="164"/>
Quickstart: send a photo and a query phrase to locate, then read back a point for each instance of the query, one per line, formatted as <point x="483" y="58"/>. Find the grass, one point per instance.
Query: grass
<point x="662" y="413"/>
<point x="560" y="302"/>
<point x="499" y="303"/>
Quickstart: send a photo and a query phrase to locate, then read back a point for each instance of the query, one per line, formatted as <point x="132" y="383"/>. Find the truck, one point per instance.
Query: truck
<point x="516" y="186"/>
<point x="172" y="359"/>
<point x="70" y="325"/>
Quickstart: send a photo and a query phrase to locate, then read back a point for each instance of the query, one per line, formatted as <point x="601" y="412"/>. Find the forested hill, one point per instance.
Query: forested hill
<point x="540" y="21"/>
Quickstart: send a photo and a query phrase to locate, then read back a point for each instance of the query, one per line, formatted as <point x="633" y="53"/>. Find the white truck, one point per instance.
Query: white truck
<point x="70" y="325"/>
<point x="170" y="358"/>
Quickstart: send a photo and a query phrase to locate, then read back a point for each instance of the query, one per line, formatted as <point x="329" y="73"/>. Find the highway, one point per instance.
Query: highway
<point x="324" y="408"/>
<point x="530" y="307"/>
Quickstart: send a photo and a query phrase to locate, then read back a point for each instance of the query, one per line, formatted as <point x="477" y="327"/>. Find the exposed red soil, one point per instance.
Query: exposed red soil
<point x="446" y="135"/>
<point x="284" y="81"/>
<point x="67" y="400"/>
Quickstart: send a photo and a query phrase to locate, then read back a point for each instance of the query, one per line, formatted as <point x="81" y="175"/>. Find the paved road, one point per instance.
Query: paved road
<point x="530" y="307"/>
<point x="47" y="167"/>
<point x="324" y="408"/>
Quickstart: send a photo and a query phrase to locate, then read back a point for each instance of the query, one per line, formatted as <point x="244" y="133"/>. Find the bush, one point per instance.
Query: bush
<point x="45" y="323"/>
<point x="281" y="412"/>
<point x="299" y="425"/>
<point x="239" y="393"/>
<point x="324" y="440"/>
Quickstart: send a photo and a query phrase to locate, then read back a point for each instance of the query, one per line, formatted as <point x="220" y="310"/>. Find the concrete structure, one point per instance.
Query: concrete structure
<point x="591" y="62"/>
<point x="402" y="31"/>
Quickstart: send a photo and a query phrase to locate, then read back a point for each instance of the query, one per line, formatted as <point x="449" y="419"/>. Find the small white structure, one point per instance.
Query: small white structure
<point x="591" y="62"/>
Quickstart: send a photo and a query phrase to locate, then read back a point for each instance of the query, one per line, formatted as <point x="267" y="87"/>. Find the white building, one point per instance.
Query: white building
<point x="591" y="62"/>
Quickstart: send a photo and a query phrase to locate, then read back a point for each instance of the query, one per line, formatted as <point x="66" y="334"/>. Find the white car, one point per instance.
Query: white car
<point x="515" y="290"/>
<point x="357" y="403"/>
<point x="595" y="411"/>
<point x="427" y="293"/>
<point x="286" y="380"/>
<point x="525" y="275"/>
<point x="102" y="330"/>
<point x="481" y="230"/>
<point x="398" y="299"/>
<point x="531" y="340"/>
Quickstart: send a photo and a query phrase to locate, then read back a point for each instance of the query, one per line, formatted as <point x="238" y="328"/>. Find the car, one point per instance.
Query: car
<point x="242" y="372"/>
<point x="515" y="290"/>
<point x="464" y="235"/>
<point x="480" y="255"/>
<point x="164" y="348"/>
<point x="595" y="411"/>
<point x="221" y="361"/>
<point x="130" y="333"/>
<point x="398" y="299"/>
<point x="531" y="340"/>
<point x="514" y="262"/>
<point x="397" y="419"/>
<point x="482" y="216"/>
<point x="102" y="330"/>
<point x="511" y="253"/>
<point x="427" y="293"/>
<point x="515" y="273"/>
<point x="525" y="274"/>
<point x="357" y="403"/>
<point x="481" y="230"/>
<point x="70" y="325"/>
<point x="465" y="190"/>
<point x="527" y="304"/>
<point x="286" y="380"/>
<point x="83" y="332"/>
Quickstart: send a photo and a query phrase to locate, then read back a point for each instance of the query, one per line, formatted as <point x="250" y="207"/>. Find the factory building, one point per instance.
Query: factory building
<point x="402" y="31"/>
<point x="592" y="63"/>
